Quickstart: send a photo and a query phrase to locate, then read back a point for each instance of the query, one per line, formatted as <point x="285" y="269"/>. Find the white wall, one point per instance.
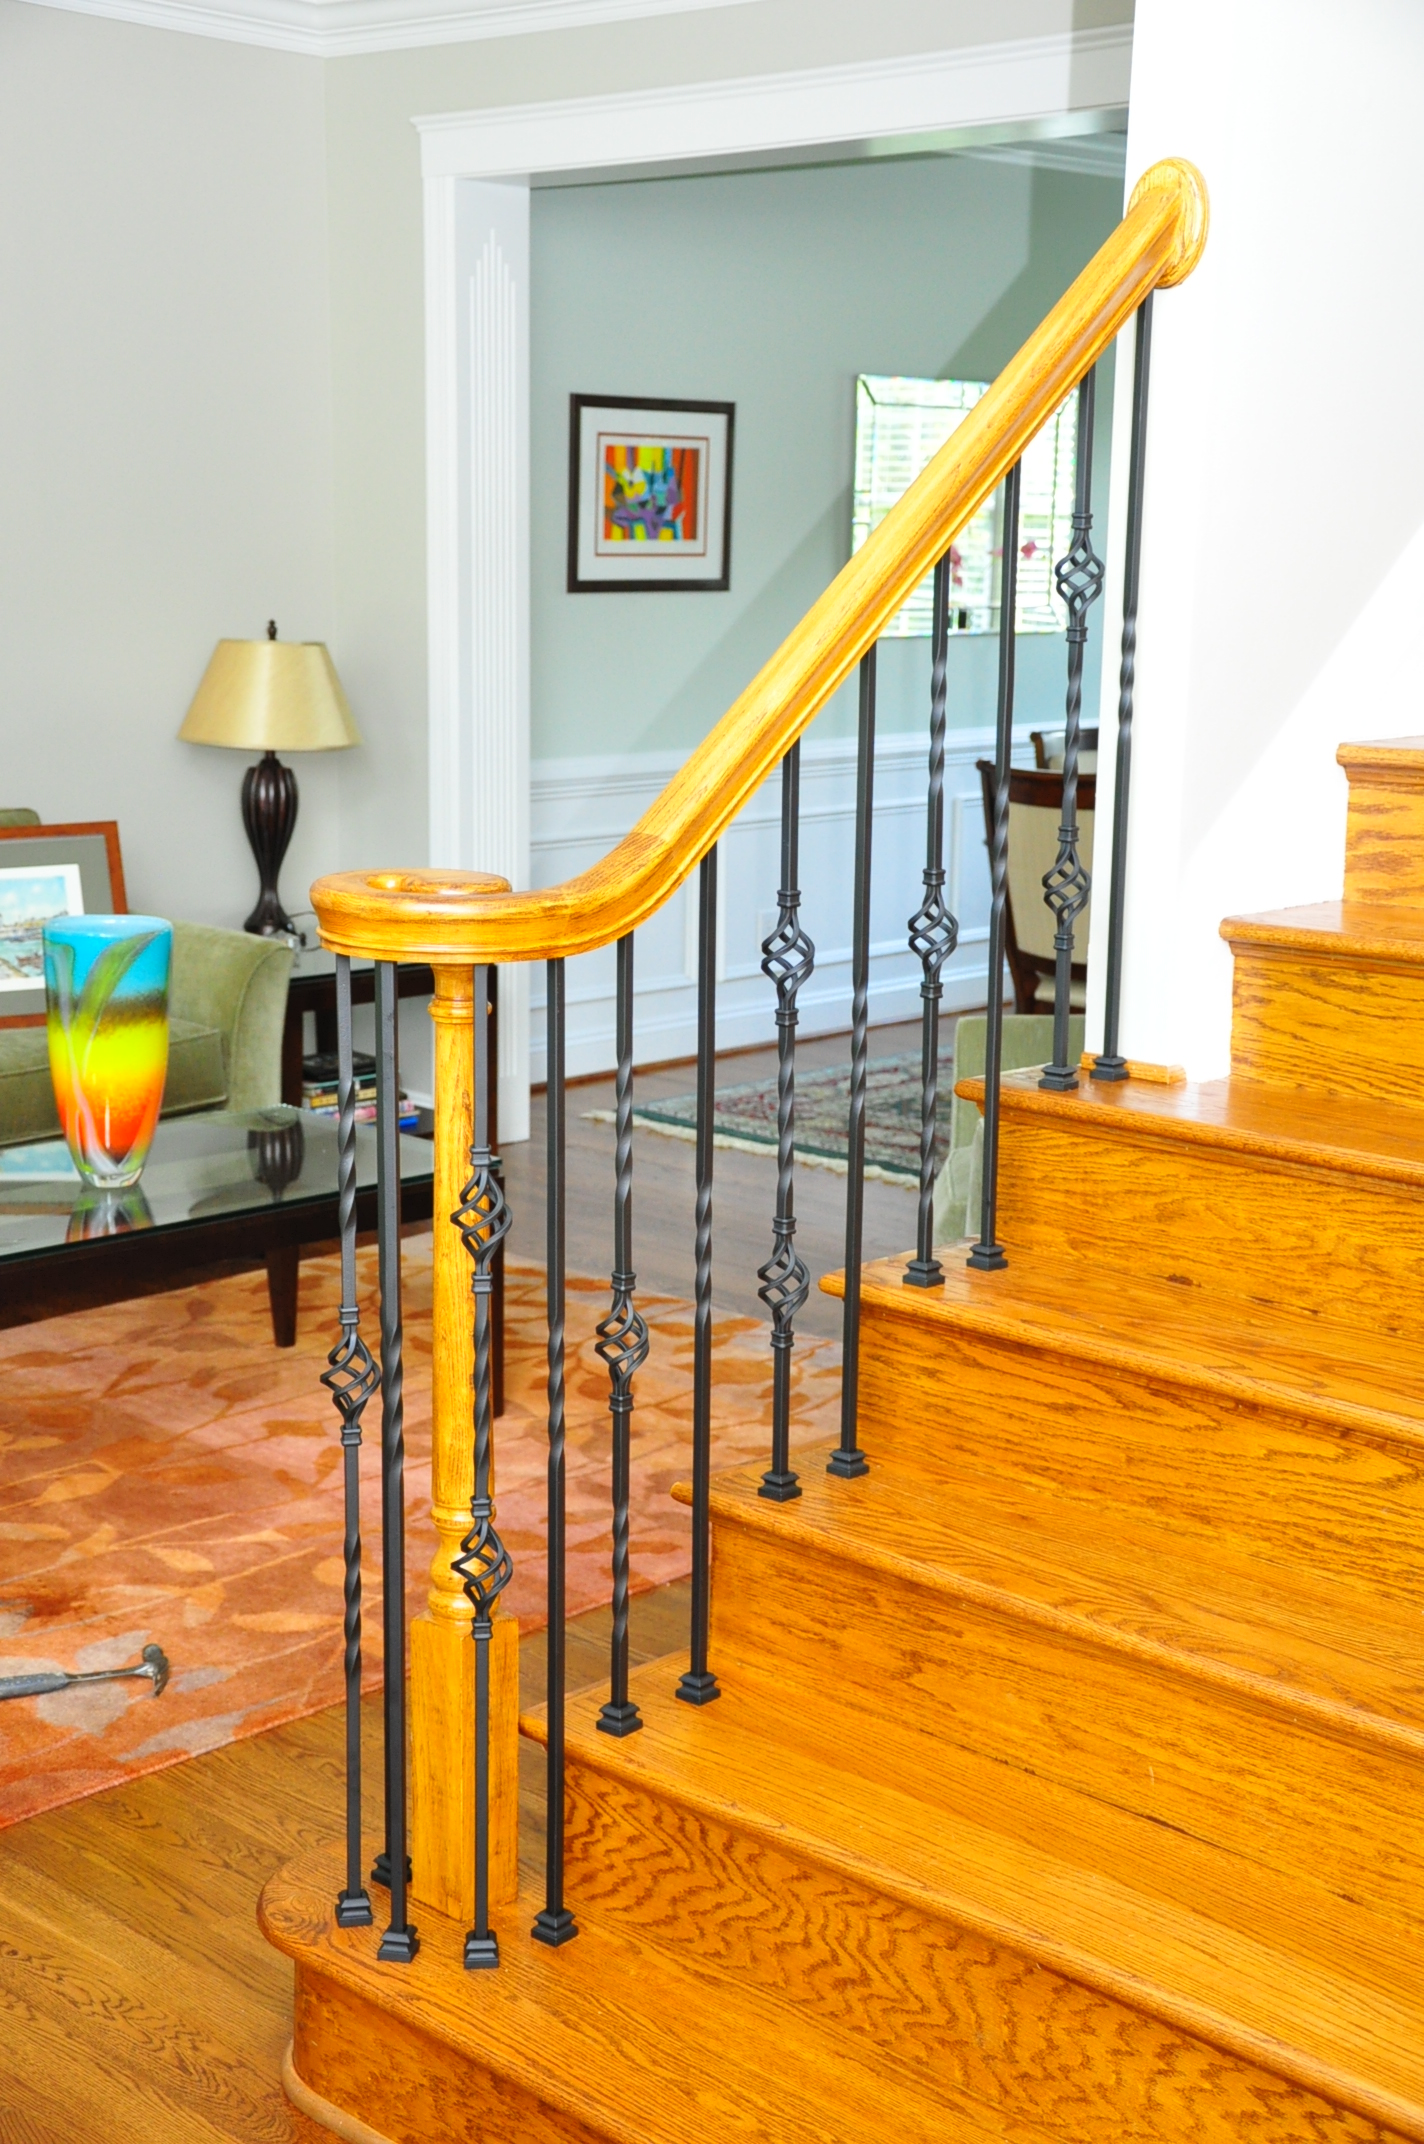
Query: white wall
<point x="1284" y="531"/>
<point x="165" y="430"/>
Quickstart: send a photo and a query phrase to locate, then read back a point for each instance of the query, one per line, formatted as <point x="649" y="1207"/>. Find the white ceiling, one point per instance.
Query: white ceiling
<point x="328" y="28"/>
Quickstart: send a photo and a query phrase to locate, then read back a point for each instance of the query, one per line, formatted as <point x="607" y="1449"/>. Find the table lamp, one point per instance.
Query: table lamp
<point x="270" y="696"/>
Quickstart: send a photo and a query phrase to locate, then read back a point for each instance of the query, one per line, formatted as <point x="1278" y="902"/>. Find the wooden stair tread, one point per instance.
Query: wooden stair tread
<point x="1335" y="1374"/>
<point x="638" y="2044"/>
<point x="1353" y="1135"/>
<point x="1346" y="930"/>
<point x="1286" y="1975"/>
<point x="1087" y="1569"/>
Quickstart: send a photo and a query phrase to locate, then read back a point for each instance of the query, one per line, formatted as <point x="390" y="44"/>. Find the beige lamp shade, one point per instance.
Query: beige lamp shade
<point x="270" y="696"/>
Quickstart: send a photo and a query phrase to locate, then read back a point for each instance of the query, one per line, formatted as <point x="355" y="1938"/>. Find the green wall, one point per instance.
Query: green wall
<point x="773" y="289"/>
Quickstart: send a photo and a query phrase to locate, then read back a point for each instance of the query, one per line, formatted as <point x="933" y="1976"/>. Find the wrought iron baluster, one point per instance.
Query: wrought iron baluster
<point x="555" y="1924"/>
<point x="1067" y="884"/>
<point x="483" y="1219"/>
<point x="350" y="1377"/>
<point x="623" y="1345"/>
<point x="699" y="1685"/>
<point x="987" y="1254"/>
<point x="788" y="958"/>
<point x="400" y="1942"/>
<point x="1110" y="1063"/>
<point x="934" y="934"/>
<point x="847" y="1460"/>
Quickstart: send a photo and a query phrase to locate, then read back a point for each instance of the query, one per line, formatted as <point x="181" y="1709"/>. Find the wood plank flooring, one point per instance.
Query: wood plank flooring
<point x="138" y="2003"/>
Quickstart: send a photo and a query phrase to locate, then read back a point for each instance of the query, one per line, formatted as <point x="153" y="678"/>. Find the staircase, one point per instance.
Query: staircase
<point x="1067" y="1780"/>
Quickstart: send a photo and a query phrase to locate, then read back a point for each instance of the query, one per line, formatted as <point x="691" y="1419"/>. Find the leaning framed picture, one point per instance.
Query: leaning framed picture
<point x="650" y="495"/>
<point x="49" y="871"/>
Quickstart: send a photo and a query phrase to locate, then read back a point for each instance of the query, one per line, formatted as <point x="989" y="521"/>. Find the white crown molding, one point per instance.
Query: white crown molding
<point x="332" y="29"/>
<point x="975" y="87"/>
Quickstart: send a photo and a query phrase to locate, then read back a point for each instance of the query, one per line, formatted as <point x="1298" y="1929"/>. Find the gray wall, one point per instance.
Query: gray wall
<point x="773" y="290"/>
<point x="165" y="429"/>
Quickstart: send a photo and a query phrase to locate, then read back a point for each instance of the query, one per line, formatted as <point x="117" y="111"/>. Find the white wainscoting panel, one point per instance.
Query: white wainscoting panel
<point x="581" y="807"/>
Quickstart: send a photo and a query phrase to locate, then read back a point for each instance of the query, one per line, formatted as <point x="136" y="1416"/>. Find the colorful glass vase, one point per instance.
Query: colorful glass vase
<point x="106" y="990"/>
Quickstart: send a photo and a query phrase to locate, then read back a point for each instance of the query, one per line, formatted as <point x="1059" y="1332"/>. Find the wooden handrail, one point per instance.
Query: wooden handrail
<point x="460" y="917"/>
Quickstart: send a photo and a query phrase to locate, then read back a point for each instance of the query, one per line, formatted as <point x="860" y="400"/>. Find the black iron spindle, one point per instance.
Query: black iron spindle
<point x="987" y="1254"/>
<point x="934" y="934"/>
<point x="847" y="1460"/>
<point x="350" y="1377"/>
<point x="623" y="1345"/>
<point x="788" y="958"/>
<point x="1110" y="1064"/>
<point x="399" y="1943"/>
<point x="699" y="1685"/>
<point x="483" y="1219"/>
<point x="555" y="1924"/>
<point x="1067" y="884"/>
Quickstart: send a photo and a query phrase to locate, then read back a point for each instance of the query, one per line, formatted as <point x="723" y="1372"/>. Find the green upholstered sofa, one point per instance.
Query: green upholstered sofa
<point x="227" y="1006"/>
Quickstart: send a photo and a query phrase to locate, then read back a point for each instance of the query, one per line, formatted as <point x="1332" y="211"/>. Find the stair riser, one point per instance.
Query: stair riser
<point x="1347" y="1026"/>
<point x="952" y="2003"/>
<point x="1384" y="841"/>
<point x="1247" y="1774"/>
<point x="1302" y="1496"/>
<point x="1243" y="1227"/>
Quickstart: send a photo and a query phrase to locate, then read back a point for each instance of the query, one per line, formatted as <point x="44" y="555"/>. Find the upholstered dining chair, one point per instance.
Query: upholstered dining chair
<point x="1035" y="811"/>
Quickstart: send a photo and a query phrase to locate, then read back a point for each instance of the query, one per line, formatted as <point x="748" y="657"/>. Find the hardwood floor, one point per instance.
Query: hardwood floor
<point x="138" y="2003"/>
<point x="743" y="1196"/>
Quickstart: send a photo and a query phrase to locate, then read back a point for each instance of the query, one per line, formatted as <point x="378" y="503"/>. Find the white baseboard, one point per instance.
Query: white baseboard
<point x="581" y="807"/>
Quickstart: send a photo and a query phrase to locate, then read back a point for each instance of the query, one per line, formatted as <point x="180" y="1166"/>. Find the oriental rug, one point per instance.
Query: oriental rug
<point x="171" y="1477"/>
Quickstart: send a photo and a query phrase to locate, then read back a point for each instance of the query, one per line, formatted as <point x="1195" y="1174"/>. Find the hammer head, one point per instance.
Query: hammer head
<point x="155" y="1664"/>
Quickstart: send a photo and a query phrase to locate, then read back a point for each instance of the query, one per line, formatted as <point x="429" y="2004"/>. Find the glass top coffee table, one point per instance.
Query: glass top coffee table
<point x="219" y="1190"/>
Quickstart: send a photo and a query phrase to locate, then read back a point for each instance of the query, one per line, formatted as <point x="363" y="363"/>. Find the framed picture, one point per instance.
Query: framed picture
<point x="49" y="871"/>
<point x="650" y="495"/>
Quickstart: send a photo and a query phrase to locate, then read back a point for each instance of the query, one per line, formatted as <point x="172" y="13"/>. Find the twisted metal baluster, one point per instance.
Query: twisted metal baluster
<point x="623" y="1345"/>
<point x="934" y="934"/>
<point x="988" y="1255"/>
<point x="350" y="1377"/>
<point x="554" y="1924"/>
<point x="699" y="1685"/>
<point x="400" y="1942"/>
<point x="1067" y="884"/>
<point x="847" y="1460"/>
<point x="788" y="958"/>
<point x="1110" y="1064"/>
<point x="483" y="1564"/>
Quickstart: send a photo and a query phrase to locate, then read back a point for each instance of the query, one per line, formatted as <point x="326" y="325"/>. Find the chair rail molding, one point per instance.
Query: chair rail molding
<point x="477" y="169"/>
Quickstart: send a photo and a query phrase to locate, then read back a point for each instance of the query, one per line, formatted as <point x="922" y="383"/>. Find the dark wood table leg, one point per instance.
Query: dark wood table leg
<point x="282" y="1262"/>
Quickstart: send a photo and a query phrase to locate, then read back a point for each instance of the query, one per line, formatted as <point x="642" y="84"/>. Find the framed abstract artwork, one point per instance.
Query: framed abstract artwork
<point x="49" y="871"/>
<point x="650" y="495"/>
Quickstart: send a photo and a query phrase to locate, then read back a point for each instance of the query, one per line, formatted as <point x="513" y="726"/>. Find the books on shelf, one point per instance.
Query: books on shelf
<point x="320" y="1088"/>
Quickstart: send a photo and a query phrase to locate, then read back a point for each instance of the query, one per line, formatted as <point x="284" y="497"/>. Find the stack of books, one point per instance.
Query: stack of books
<point x="319" y="1089"/>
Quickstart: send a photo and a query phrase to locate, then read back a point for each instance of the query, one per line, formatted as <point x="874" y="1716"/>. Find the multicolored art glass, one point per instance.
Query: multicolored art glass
<point x="106" y="989"/>
<point x="651" y="490"/>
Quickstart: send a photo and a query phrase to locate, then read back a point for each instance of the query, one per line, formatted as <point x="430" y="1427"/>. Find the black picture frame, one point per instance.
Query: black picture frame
<point x="580" y="583"/>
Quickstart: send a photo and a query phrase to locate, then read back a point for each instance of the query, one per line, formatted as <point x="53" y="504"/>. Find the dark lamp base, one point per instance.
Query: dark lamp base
<point x="269" y="813"/>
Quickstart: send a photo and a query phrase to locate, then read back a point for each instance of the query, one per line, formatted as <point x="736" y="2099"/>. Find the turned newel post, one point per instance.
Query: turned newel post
<point x="442" y="1653"/>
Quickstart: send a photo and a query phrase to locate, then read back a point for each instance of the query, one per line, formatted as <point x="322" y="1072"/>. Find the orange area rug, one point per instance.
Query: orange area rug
<point x="169" y="1476"/>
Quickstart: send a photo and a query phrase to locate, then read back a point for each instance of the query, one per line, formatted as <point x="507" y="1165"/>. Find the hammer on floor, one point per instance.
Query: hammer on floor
<point x="153" y="1668"/>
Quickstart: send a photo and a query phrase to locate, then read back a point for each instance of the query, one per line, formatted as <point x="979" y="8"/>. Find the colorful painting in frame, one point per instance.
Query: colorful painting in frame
<point x="45" y="871"/>
<point x="650" y="495"/>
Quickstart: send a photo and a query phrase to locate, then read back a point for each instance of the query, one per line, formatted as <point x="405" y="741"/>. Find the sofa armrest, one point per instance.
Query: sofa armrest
<point x="236" y="983"/>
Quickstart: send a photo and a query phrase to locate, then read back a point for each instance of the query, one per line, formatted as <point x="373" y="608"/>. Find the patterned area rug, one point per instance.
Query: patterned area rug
<point x="169" y="1476"/>
<point x="746" y="1117"/>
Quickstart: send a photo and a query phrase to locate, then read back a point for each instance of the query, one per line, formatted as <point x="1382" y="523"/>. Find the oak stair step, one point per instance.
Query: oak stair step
<point x="1307" y="1204"/>
<point x="1104" y="1974"/>
<point x="1384" y="828"/>
<point x="1330" y="998"/>
<point x="1268" y="1712"/>
<point x="1290" y="1436"/>
<point x="605" y="2038"/>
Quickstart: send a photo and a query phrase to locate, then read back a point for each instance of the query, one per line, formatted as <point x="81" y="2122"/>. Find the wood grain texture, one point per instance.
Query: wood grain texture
<point x="1301" y="1204"/>
<point x="938" y="1655"/>
<point x="1330" y="999"/>
<point x="1061" y="1960"/>
<point x="1384" y="825"/>
<point x="437" y="917"/>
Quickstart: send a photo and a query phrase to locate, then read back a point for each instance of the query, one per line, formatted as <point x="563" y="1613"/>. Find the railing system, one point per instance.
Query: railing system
<point x="455" y="1816"/>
